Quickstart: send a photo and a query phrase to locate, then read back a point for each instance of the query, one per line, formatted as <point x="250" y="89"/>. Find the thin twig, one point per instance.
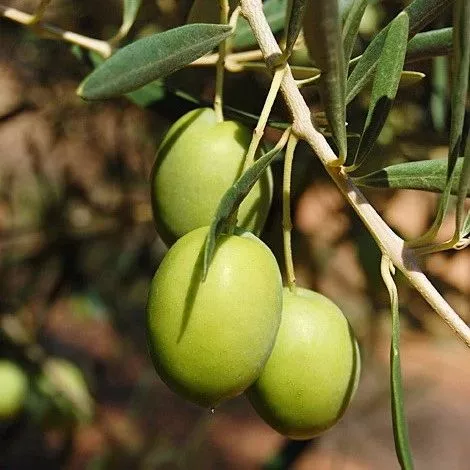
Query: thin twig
<point x="286" y="216"/>
<point x="101" y="47"/>
<point x="389" y="243"/>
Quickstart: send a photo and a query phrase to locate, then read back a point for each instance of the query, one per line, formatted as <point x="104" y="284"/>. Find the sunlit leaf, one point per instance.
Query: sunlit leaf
<point x="421" y="13"/>
<point x="386" y="81"/>
<point x="151" y="58"/>
<point x="299" y="72"/>
<point x="424" y="175"/>
<point x="322" y="32"/>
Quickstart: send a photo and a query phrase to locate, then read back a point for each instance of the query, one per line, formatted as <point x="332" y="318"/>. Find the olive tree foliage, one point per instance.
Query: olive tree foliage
<point x="252" y="35"/>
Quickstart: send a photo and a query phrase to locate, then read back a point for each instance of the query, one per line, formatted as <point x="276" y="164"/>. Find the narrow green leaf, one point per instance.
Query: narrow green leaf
<point x="351" y="26"/>
<point x="464" y="187"/>
<point x="439" y="92"/>
<point x="294" y="25"/>
<point x="423" y="175"/>
<point x="299" y="72"/>
<point x="460" y="69"/>
<point x="151" y="58"/>
<point x="130" y="8"/>
<point x="400" y="428"/>
<point x="232" y="199"/>
<point x="344" y="8"/>
<point x="421" y="13"/>
<point x="429" y="44"/>
<point x="386" y="81"/>
<point x="275" y="12"/>
<point x="460" y="78"/>
<point x="322" y="32"/>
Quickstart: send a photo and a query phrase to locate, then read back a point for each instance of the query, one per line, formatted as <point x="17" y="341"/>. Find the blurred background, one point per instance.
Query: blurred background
<point x="78" y="249"/>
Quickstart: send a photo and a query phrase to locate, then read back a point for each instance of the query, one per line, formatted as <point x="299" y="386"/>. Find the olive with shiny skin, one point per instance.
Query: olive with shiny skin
<point x="198" y="160"/>
<point x="313" y="371"/>
<point x="210" y="339"/>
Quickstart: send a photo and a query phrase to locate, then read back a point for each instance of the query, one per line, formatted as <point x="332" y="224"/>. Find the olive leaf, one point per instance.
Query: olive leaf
<point x="232" y="199"/>
<point x="421" y="13"/>
<point x="294" y="25"/>
<point x="322" y="32"/>
<point x="299" y="72"/>
<point x="423" y="175"/>
<point x="400" y="428"/>
<point x="429" y="44"/>
<point x="275" y="12"/>
<point x="439" y="93"/>
<point x="145" y="96"/>
<point x="459" y="133"/>
<point x="386" y="81"/>
<point x="151" y="58"/>
<point x="410" y="78"/>
<point x="130" y="8"/>
<point x="351" y="26"/>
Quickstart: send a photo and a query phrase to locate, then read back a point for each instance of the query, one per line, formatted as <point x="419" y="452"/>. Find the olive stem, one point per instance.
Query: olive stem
<point x="220" y="66"/>
<point x="286" y="213"/>
<point x="389" y="243"/>
<point x="263" y="119"/>
<point x="259" y="129"/>
<point x="40" y="10"/>
<point x="96" y="45"/>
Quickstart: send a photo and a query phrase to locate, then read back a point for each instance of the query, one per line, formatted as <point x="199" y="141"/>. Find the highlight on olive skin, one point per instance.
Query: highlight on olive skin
<point x="209" y="340"/>
<point x="197" y="162"/>
<point x="313" y="371"/>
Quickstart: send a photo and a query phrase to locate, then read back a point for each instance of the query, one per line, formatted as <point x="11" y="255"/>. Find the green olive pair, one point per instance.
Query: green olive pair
<point x="239" y="330"/>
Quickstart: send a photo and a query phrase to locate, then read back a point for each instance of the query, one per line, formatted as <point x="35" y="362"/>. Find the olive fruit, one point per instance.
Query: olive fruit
<point x="210" y="339"/>
<point x="313" y="370"/>
<point x="13" y="389"/>
<point x="198" y="160"/>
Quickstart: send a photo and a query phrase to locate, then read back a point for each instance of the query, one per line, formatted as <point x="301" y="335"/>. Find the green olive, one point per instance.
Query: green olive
<point x="13" y="389"/>
<point x="198" y="160"/>
<point x="210" y="339"/>
<point x="313" y="370"/>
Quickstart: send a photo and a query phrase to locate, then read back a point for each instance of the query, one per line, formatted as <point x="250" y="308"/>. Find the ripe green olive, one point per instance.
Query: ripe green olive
<point x="198" y="160"/>
<point x="13" y="389"/>
<point x="210" y="339"/>
<point x="313" y="370"/>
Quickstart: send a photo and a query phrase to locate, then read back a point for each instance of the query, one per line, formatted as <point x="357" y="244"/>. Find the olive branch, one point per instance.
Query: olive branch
<point x="390" y="244"/>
